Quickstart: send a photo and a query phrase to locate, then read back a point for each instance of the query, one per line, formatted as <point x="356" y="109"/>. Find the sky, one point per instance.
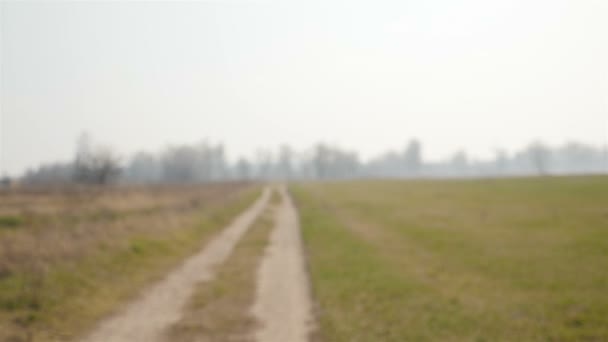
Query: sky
<point x="364" y="75"/>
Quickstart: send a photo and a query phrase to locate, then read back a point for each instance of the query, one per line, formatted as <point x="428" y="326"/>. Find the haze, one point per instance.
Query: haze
<point x="472" y="75"/>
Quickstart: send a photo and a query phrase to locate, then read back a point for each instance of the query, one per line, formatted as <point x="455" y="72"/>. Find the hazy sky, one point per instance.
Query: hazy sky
<point x="472" y="74"/>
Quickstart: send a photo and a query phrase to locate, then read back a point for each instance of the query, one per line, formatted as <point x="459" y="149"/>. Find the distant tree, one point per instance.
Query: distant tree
<point x="5" y="181"/>
<point x="243" y="169"/>
<point x="306" y="166"/>
<point x="539" y="155"/>
<point x="218" y="162"/>
<point x="321" y="161"/>
<point x="180" y="164"/>
<point x="604" y="163"/>
<point x="49" y="174"/>
<point x="95" y="164"/>
<point x="501" y="160"/>
<point x="143" y="168"/>
<point x="264" y="163"/>
<point x="285" y="162"/>
<point x="577" y="157"/>
<point x="201" y="162"/>
<point x="460" y="163"/>
<point x="412" y="157"/>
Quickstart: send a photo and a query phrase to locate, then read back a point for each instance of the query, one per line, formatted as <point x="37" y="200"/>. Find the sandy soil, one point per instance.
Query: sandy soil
<point x="283" y="304"/>
<point x="147" y="317"/>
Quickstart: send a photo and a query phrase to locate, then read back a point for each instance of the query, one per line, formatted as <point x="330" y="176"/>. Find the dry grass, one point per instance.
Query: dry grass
<point x="75" y="255"/>
<point x="219" y="311"/>
<point x="63" y="225"/>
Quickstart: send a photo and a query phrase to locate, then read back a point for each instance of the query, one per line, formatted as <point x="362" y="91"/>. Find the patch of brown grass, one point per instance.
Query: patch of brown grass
<point x="56" y="226"/>
<point x="79" y="254"/>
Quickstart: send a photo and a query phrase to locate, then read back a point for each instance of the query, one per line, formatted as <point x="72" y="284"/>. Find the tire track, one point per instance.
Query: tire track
<point x="147" y="317"/>
<point x="283" y="304"/>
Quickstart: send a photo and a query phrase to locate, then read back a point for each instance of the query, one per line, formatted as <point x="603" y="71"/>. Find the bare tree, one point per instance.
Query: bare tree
<point x="264" y="163"/>
<point x="321" y="161"/>
<point x="501" y="160"/>
<point x="180" y="165"/>
<point x="285" y="162"/>
<point x="413" y="157"/>
<point x="143" y="168"/>
<point x="539" y="154"/>
<point x="243" y="169"/>
<point x="459" y="163"/>
<point x="95" y="164"/>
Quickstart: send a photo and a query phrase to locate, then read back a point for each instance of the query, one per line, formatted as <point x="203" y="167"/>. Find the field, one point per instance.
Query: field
<point x="522" y="259"/>
<point x="468" y="260"/>
<point x="70" y="256"/>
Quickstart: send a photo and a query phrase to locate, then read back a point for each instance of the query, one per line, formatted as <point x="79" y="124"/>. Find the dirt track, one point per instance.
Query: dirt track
<point x="146" y="318"/>
<point x="283" y="305"/>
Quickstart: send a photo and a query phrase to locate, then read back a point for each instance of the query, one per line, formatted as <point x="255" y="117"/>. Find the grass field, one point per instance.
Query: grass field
<point x="69" y="257"/>
<point x="471" y="260"/>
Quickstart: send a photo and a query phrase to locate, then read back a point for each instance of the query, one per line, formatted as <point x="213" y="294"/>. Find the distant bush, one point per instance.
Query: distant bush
<point x="10" y="221"/>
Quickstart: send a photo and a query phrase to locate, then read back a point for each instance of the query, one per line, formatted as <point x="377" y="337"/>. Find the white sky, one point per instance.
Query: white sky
<point x="472" y="74"/>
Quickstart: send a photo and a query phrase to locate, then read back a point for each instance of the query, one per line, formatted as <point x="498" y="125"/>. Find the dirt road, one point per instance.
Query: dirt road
<point x="146" y="318"/>
<point x="283" y="305"/>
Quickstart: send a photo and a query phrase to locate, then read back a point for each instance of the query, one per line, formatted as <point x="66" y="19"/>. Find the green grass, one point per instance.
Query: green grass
<point x="483" y="260"/>
<point x="10" y="221"/>
<point x="59" y="303"/>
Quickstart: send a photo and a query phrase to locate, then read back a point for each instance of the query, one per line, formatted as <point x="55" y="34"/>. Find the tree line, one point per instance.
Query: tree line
<point x="207" y="162"/>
